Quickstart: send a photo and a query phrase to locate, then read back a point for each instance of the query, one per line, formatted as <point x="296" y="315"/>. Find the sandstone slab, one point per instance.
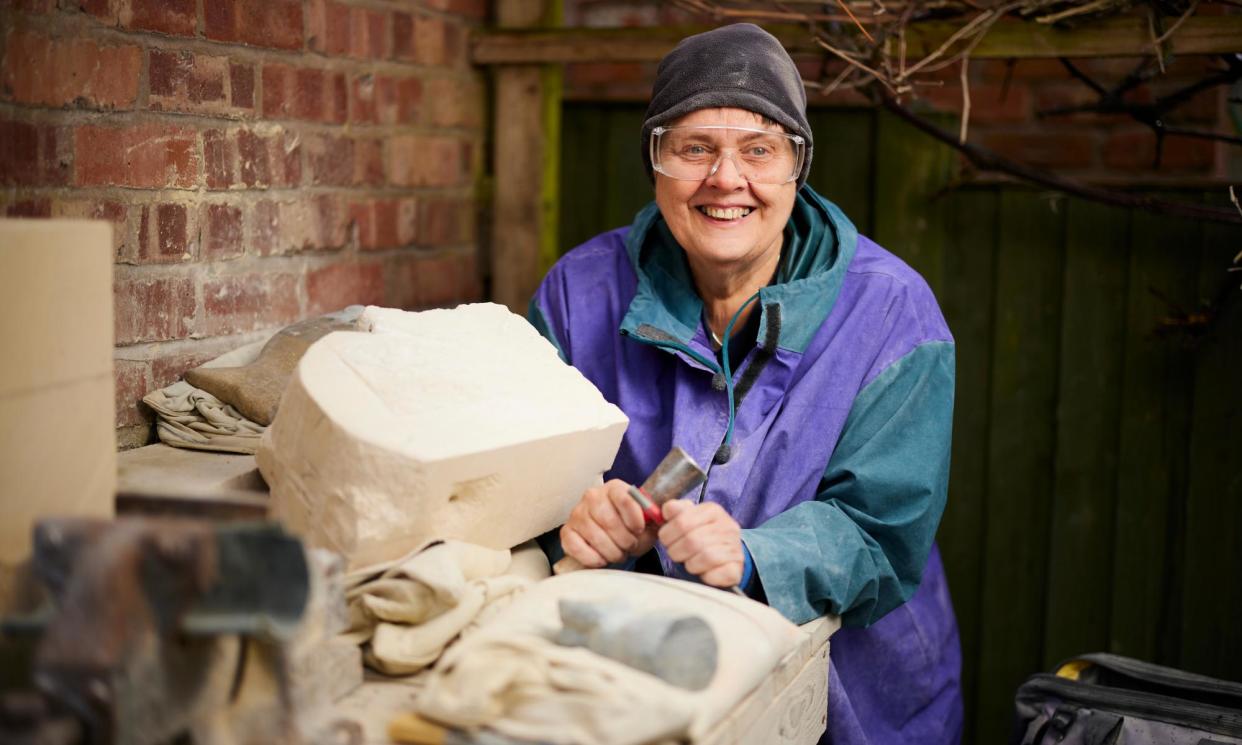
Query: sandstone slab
<point x="460" y="423"/>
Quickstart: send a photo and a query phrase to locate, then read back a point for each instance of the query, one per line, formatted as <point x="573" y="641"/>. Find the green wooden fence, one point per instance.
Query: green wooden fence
<point x="1095" y="501"/>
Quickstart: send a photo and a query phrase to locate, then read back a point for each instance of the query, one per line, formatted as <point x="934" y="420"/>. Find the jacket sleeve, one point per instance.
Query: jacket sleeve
<point x="858" y="549"/>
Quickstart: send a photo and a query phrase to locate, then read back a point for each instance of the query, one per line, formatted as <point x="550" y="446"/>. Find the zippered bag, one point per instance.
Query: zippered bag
<point x="1106" y="699"/>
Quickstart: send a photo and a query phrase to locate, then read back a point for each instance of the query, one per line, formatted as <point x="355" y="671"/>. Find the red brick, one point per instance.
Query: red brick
<point x="124" y="234"/>
<point x="132" y="383"/>
<point x="362" y="99"/>
<point x="164" y="234"/>
<point x="429" y="41"/>
<point x="153" y="309"/>
<point x="454" y="103"/>
<point x="38" y="69"/>
<point x="446" y="221"/>
<point x="304" y="93"/>
<point x="337" y="285"/>
<point x="339" y="30"/>
<point x="217" y="159"/>
<point x="371" y="38"/>
<point x="169" y="369"/>
<point x="184" y="81"/>
<point x="241" y="85"/>
<point x="264" y="23"/>
<point x="222" y="231"/>
<point x="252" y="157"/>
<point x="607" y="73"/>
<point x="384" y="223"/>
<point x="34" y="154"/>
<point x="988" y="103"/>
<point x="403" y="36"/>
<point x="472" y="9"/>
<point x="37" y="207"/>
<point x="178" y="17"/>
<point x="328" y="27"/>
<point x="996" y="71"/>
<point x="417" y="160"/>
<point x="33" y="7"/>
<point x="142" y="156"/>
<point x="315" y="223"/>
<point x="338" y="112"/>
<point x="1045" y="149"/>
<point x="249" y="302"/>
<point x="1136" y="150"/>
<point x="445" y="280"/>
<point x="379" y="99"/>
<point x="104" y="11"/>
<point x="342" y="161"/>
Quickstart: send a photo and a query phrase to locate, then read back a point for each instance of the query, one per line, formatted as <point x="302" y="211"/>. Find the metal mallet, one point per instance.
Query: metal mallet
<point x="676" y="475"/>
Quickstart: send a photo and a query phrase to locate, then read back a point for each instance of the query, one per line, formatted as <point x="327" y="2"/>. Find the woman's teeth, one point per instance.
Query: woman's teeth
<point x="725" y="213"/>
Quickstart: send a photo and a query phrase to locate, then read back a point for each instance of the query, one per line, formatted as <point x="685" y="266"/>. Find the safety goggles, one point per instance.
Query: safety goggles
<point x="693" y="153"/>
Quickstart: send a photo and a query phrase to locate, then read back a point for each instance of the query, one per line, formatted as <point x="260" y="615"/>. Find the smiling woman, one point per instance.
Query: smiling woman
<point x="742" y="318"/>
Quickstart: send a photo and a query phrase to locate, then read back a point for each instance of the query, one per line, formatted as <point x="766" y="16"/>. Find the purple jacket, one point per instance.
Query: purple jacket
<point x="829" y="445"/>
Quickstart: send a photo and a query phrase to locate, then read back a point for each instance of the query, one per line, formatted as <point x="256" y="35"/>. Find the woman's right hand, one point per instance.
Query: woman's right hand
<point x="606" y="526"/>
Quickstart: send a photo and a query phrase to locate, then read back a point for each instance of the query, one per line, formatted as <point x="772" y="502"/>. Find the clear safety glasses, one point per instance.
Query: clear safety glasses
<point x="693" y="153"/>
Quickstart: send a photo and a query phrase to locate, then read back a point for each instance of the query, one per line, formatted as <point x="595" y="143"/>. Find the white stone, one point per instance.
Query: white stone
<point x="457" y="423"/>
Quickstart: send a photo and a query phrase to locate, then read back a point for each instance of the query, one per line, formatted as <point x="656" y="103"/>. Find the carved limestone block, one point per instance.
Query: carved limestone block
<point x="459" y="423"/>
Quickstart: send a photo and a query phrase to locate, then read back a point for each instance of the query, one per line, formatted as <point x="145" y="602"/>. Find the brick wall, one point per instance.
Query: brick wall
<point x="1005" y="100"/>
<point x="261" y="160"/>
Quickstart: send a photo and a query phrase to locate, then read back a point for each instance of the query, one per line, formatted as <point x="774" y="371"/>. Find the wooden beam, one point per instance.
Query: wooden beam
<point x="526" y="123"/>
<point x="1113" y="37"/>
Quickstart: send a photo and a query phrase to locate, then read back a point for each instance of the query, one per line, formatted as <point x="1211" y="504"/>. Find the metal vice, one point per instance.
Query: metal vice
<point x="160" y="630"/>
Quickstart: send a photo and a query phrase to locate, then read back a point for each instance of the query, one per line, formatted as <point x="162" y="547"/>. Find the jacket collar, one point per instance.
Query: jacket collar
<point x="819" y="244"/>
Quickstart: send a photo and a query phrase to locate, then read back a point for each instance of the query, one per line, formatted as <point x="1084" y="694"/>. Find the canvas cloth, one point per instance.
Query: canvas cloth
<point x="511" y="676"/>
<point x="407" y="611"/>
<point x="189" y="417"/>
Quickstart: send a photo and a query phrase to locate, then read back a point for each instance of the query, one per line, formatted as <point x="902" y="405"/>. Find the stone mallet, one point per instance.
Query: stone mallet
<point x="676" y="475"/>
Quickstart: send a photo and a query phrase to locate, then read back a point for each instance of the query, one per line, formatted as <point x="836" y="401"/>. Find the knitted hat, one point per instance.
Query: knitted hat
<point x="740" y="66"/>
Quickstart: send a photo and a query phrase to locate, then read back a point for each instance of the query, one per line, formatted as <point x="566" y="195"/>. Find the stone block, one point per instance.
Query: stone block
<point x="457" y="423"/>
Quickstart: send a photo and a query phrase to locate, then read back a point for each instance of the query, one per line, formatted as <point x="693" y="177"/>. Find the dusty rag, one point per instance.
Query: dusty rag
<point x="195" y="419"/>
<point x="510" y="675"/>
<point x="406" y="612"/>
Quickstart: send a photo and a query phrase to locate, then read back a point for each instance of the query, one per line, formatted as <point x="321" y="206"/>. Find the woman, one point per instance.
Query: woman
<point x="742" y="318"/>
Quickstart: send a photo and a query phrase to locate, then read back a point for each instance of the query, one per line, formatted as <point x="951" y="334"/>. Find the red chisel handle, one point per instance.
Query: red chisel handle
<point x="651" y="511"/>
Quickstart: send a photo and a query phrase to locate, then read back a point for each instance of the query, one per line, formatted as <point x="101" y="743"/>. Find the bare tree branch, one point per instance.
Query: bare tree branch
<point x="987" y="160"/>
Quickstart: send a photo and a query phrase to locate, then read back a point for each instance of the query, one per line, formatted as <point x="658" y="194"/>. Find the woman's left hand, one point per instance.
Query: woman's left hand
<point x="705" y="539"/>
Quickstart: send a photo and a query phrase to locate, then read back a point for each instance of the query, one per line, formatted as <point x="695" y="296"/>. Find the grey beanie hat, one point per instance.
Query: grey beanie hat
<point x="739" y="66"/>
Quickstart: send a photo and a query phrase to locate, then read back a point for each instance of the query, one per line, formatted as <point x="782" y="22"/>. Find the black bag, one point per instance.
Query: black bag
<point x="1102" y="699"/>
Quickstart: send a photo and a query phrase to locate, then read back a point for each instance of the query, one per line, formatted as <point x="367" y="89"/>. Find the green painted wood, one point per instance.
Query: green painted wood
<point x="1153" y="429"/>
<point x="582" y="186"/>
<point x="909" y="174"/>
<point x="1211" y="616"/>
<point x="627" y="186"/>
<point x="1020" y="449"/>
<point x="1092" y="331"/>
<point x="841" y="168"/>
<point x="967" y="301"/>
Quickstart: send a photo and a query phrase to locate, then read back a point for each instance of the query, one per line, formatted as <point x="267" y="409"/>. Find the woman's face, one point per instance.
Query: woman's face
<point x="724" y="221"/>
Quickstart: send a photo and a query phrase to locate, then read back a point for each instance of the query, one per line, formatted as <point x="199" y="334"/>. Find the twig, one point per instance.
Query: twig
<point x="1178" y="24"/>
<point x="1155" y="42"/>
<point x="850" y="13"/>
<point x="1234" y="198"/>
<point x="849" y="59"/>
<point x="1075" y="11"/>
<point x="961" y="134"/>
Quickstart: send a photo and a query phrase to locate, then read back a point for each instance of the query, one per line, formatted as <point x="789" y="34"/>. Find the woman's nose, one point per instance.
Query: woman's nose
<point x="725" y="174"/>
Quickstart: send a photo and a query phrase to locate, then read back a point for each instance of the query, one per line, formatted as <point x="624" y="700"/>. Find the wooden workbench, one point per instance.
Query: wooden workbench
<point x="788" y="708"/>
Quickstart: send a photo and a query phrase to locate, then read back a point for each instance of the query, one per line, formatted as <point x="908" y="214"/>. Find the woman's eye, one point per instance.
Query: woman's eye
<point x="695" y="150"/>
<point x="759" y="151"/>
